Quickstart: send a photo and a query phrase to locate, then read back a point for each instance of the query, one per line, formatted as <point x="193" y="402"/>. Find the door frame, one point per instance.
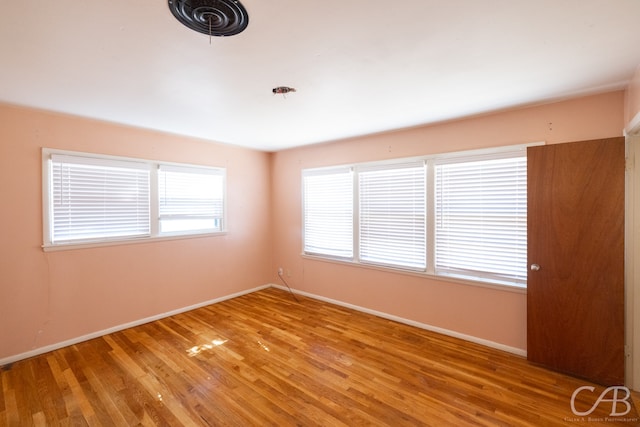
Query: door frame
<point x="632" y="252"/>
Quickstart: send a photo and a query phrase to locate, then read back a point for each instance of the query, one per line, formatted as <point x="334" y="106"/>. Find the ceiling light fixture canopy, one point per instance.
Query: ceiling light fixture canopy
<point x="211" y="17"/>
<point x="283" y="90"/>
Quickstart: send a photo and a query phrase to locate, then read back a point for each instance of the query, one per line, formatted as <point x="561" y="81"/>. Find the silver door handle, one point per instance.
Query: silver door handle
<point x="535" y="267"/>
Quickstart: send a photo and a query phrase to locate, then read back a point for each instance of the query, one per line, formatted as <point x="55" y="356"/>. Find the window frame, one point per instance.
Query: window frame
<point x="430" y="161"/>
<point x="154" y="235"/>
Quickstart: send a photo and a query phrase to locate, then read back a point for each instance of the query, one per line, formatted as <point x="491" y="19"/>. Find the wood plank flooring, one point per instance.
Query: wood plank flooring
<point x="265" y="359"/>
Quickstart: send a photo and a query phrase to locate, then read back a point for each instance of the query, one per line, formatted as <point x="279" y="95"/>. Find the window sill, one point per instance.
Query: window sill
<point x="520" y="289"/>
<point x="132" y="241"/>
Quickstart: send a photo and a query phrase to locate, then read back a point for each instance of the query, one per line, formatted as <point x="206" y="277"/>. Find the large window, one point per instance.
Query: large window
<point x="95" y="199"/>
<point x="459" y="215"/>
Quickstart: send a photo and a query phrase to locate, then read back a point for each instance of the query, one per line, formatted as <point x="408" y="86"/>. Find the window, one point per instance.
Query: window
<point x="481" y="218"/>
<point x="459" y="215"/>
<point x="328" y="212"/>
<point x="96" y="199"/>
<point x="190" y="198"/>
<point x="392" y="215"/>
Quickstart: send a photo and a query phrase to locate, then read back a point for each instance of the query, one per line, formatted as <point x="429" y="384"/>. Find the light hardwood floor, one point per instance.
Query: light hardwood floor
<point x="265" y="359"/>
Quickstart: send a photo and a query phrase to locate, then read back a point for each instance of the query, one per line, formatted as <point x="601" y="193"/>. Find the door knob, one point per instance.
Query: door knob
<point x="535" y="267"/>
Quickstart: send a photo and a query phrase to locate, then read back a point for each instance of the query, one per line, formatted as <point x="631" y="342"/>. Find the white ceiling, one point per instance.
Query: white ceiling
<point x="359" y="66"/>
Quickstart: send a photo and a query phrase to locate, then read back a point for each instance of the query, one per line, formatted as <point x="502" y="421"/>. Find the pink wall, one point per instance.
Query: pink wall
<point x="632" y="107"/>
<point x="496" y="315"/>
<point x="47" y="298"/>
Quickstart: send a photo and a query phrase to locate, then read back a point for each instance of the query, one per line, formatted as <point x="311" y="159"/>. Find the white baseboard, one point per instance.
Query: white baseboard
<point x="56" y="346"/>
<point x="481" y="341"/>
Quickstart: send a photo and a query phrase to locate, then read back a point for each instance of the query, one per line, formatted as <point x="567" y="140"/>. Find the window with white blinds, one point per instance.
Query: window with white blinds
<point x="98" y="199"/>
<point x="94" y="199"/>
<point x="328" y="212"/>
<point x="461" y="215"/>
<point x="481" y="217"/>
<point x="392" y="215"/>
<point x="190" y="198"/>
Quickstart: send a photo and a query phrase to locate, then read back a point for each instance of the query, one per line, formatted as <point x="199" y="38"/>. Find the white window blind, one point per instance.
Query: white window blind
<point x="328" y="212"/>
<point x="190" y="198"/>
<point x="481" y="217"/>
<point x="392" y="215"/>
<point x="95" y="198"/>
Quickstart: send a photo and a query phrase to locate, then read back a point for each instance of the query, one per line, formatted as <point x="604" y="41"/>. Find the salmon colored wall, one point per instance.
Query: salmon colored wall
<point x="48" y="298"/>
<point x="632" y="110"/>
<point x="492" y="314"/>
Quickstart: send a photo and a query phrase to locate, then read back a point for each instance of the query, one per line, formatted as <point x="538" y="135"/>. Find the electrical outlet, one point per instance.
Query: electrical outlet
<point x="280" y="271"/>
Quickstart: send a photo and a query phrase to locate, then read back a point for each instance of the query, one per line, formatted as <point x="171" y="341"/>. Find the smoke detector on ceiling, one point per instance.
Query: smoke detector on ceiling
<point x="211" y="17"/>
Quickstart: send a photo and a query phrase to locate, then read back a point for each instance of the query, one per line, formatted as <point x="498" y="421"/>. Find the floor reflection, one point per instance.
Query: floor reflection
<point x="195" y="350"/>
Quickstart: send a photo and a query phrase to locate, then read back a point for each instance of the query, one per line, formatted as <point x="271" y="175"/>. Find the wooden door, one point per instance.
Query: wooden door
<point x="575" y="286"/>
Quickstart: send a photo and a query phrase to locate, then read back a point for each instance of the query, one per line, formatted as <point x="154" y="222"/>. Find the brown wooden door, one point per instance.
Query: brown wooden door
<point x="575" y="300"/>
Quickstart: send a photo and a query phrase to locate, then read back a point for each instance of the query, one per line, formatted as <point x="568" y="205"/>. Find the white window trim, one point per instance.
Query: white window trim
<point x="155" y="235"/>
<point x="430" y="170"/>
<point x="422" y="274"/>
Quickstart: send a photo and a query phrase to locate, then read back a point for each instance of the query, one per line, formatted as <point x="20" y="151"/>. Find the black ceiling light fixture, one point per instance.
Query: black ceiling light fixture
<point x="219" y="18"/>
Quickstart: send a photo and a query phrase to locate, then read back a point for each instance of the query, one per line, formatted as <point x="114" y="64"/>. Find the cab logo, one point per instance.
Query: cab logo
<point x="618" y="396"/>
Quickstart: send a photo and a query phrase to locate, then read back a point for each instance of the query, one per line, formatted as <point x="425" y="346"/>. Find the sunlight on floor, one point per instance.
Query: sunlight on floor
<point x="263" y="346"/>
<point x="195" y="350"/>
